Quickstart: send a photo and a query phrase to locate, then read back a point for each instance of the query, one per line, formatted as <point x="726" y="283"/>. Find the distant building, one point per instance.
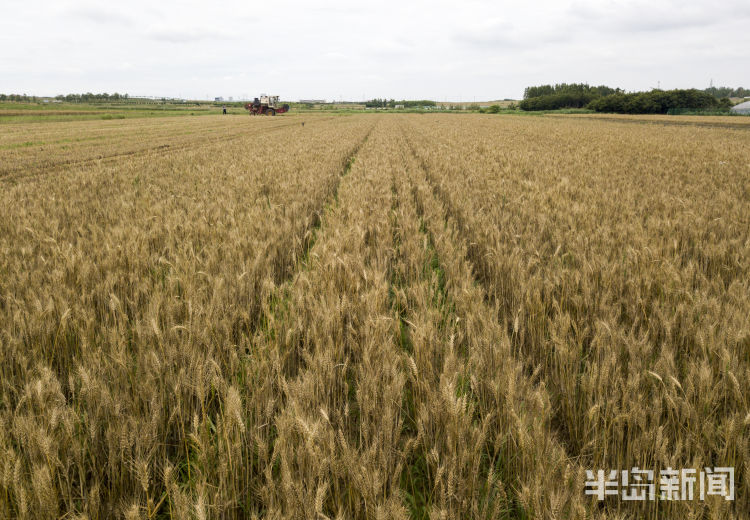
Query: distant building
<point x="399" y="106"/>
<point x="219" y="99"/>
<point x="312" y="101"/>
<point x="231" y="98"/>
<point x="742" y="108"/>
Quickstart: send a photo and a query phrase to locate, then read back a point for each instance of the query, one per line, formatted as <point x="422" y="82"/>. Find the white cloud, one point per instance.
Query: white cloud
<point x="335" y="48"/>
<point x="186" y="34"/>
<point x="98" y="15"/>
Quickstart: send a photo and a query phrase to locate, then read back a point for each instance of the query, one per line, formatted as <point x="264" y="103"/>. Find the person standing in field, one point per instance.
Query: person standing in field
<point x="224" y="109"/>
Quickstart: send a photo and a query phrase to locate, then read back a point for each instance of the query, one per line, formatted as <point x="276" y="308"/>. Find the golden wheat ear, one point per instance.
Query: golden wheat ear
<point x="374" y="316"/>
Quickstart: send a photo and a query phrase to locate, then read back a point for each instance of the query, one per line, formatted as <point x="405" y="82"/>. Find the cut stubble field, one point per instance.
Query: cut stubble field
<point x="370" y="316"/>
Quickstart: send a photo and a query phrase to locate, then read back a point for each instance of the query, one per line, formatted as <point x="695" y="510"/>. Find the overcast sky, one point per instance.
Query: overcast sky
<point x="468" y="50"/>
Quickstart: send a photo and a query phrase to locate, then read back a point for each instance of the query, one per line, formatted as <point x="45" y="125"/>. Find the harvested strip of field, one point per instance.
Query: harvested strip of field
<point x="661" y="118"/>
<point x="81" y="143"/>
<point x="21" y="131"/>
<point x="733" y="122"/>
<point x="15" y="114"/>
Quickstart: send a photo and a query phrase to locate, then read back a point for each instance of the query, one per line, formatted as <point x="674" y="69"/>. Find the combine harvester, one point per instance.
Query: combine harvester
<point x="266" y="105"/>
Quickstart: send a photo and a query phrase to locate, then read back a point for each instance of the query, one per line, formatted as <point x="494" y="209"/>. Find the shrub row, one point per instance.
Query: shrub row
<point x="655" y="102"/>
<point x="561" y="100"/>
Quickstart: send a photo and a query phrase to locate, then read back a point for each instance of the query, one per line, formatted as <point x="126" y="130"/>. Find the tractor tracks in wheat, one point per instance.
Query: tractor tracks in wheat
<point x="489" y="347"/>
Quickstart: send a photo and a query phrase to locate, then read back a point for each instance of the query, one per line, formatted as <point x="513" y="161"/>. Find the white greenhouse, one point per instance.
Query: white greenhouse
<point x="742" y="108"/>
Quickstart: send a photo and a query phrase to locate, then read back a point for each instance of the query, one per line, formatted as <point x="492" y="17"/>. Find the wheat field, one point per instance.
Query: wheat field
<point x="371" y="316"/>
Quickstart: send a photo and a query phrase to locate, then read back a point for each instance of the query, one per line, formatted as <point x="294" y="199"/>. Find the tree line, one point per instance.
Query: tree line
<point x="18" y="97"/>
<point x="728" y="92"/>
<point x="70" y="98"/>
<point x="89" y="97"/>
<point x="391" y="103"/>
<point x="607" y="99"/>
<point x="563" y="95"/>
<point x="659" y="102"/>
<point x="567" y="88"/>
